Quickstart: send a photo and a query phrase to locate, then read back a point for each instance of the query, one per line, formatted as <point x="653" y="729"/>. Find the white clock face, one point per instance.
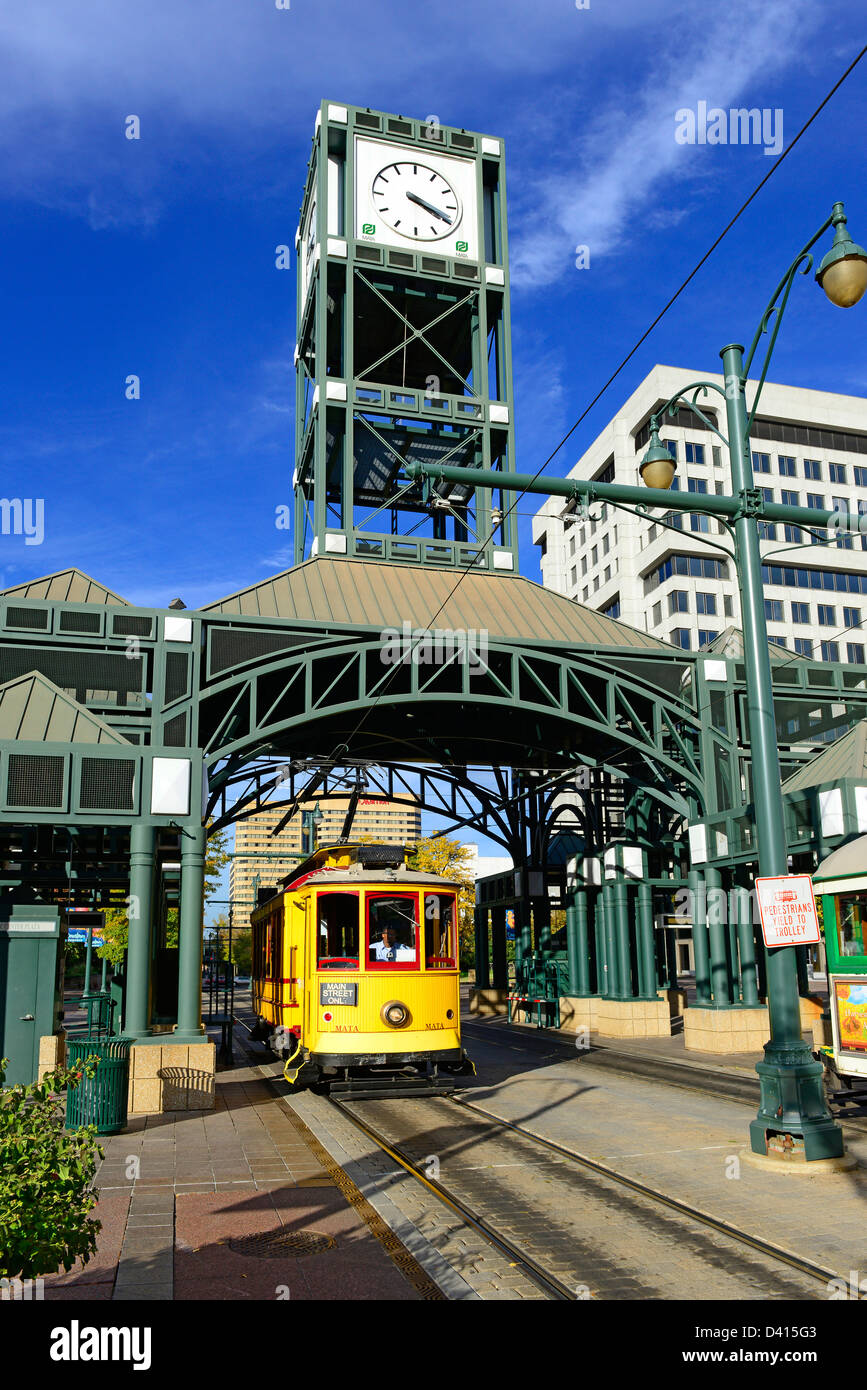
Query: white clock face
<point x="413" y="197"/>
<point x="415" y="201"/>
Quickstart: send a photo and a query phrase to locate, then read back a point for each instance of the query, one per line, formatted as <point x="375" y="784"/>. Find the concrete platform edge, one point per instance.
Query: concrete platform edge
<point x="455" y="1288"/>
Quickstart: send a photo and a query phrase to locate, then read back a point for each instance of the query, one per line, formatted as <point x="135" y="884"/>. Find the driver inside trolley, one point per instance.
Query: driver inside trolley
<point x="393" y="929"/>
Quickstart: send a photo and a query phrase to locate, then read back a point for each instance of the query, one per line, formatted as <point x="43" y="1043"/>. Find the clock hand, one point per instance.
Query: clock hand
<point x="414" y="198"/>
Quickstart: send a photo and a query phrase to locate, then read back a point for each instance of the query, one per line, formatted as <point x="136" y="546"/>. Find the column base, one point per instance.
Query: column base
<point x="487" y="1003"/>
<point x="616" y="1018"/>
<point x="793" y="1123"/>
<point x="726" y="1030"/>
<point x="165" y="1077"/>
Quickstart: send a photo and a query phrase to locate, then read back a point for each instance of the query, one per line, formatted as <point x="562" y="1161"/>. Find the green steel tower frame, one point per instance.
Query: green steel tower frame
<point x="403" y="342"/>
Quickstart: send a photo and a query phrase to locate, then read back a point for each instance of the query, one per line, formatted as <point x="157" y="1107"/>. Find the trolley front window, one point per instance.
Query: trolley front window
<point x="439" y="931"/>
<point x="337" y="931"/>
<point x="392" y="931"/>
<point x="851" y="919"/>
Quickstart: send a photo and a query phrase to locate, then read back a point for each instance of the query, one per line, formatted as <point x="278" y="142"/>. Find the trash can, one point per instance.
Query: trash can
<point x="100" y="1099"/>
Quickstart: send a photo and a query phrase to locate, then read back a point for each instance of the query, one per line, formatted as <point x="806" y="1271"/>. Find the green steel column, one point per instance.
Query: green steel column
<point x="647" y="984"/>
<point x="499" y="959"/>
<point x="699" y="937"/>
<point x="142" y="845"/>
<point x="792" y="1097"/>
<point x="732" y="945"/>
<point x="600" y="933"/>
<point x="746" y="946"/>
<point x="717" y="905"/>
<point x="189" y="1027"/>
<point x="480" y="922"/>
<point x="620" y="899"/>
<point x="578" y="943"/>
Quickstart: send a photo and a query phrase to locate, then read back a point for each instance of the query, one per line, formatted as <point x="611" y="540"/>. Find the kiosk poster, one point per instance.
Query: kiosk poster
<point x="851" y="1004"/>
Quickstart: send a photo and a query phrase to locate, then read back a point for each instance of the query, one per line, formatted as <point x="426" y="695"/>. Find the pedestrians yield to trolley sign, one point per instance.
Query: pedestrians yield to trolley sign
<point x="788" y="910"/>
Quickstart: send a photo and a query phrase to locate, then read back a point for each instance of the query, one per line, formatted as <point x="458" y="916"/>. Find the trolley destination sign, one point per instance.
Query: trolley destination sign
<point x="787" y="909"/>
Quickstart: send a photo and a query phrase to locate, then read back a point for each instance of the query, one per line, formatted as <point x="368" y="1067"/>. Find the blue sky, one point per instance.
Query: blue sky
<point x="156" y="256"/>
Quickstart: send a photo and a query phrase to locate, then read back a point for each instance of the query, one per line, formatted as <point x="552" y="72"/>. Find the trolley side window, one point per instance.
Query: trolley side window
<point x="337" y="931"/>
<point x="851" y="919"/>
<point x="392" y="931"/>
<point x="439" y="931"/>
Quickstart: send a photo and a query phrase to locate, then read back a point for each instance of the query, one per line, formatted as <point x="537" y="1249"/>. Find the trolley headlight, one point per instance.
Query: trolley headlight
<point x="395" y="1014"/>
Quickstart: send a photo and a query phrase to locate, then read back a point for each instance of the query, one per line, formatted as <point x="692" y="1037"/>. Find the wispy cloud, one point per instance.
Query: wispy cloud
<point x="631" y="164"/>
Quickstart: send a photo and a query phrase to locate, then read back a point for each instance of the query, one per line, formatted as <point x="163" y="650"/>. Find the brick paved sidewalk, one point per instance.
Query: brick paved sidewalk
<point x="176" y="1190"/>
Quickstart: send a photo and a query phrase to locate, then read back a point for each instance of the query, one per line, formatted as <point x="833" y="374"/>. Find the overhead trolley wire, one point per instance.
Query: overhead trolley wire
<point x="344" y="746"/>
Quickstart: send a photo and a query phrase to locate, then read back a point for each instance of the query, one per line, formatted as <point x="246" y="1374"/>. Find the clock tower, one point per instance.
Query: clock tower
<point x="403" y="346"/>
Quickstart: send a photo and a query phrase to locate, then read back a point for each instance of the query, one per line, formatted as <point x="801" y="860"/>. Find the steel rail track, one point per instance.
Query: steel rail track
<point x="541" y="1277"/>
<point x="763" y="1247"/>
<point x="549" y="1283"/>
<point x="668" y="1073"/>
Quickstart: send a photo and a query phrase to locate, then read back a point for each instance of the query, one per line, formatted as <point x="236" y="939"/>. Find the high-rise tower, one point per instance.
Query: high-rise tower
<point x="403" y="342"/>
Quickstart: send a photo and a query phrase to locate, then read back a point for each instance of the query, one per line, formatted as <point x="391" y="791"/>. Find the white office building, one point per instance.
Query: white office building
<point x="809" y="448"/>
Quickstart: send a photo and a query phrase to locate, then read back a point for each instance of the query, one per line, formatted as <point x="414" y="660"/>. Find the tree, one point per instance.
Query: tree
<point x="437" y="854"/>
<point x="46" y="1179"/>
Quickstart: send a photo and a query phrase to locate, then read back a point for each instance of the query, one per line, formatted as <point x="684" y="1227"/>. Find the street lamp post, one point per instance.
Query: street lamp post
<point x="792" y="1098"/>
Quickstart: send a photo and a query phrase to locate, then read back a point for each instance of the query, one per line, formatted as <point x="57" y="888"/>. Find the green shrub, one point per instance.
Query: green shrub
<point x="45" y="1177"/>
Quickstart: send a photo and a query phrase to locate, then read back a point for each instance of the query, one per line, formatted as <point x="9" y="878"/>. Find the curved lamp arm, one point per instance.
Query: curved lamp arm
<point x="698" y="388"/>
<point x="777" y="304"/>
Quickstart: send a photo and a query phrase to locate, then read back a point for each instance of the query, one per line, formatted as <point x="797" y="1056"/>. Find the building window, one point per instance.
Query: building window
<point x="800" y="612"/>
<point x="776" y="641"/>
<point x="696" y="566"/>
<point x="812" y="470"/>
<point x="571" y="545"/>
<point x="855" y="653"/>
<point x="705" y="603"/>
<point x="705" y="637"/>
<point x="613" y="609"/>
<point x="586" y="594"/>
<point x="793" y="534"/>
<point x="573" y="576"/>
<point x="789" y="499"/>
<point x="837" y="472"/>
<point x="679" y="637"/>
<point x="717" y="455"/>
<point x="657" y="614"/>
<point x="767" y="529"/>
<point x="830" y="651"/>
<point x="605" y="544"/>
<point x="860" y="476"/>
<point x="786" y="465"/>
<point x="727" y="605"/>
<point x="594" y="555"/>
<point x="788" y="576"/>
<point x="761" y="463"/>
<point x="845" y="539"/>
<point x="678" y="601"/>
<point x="851" y="617"/>
<point x="671" y="446"/>
<point x="774" y="610"/>
<point x="583" y="564"/>
<point x="596" y="583"/>
<point x="694" y="453"/>
<point x="804" y="647"/>
<point x="607" y="575"/>
<point x="826" y="615"/>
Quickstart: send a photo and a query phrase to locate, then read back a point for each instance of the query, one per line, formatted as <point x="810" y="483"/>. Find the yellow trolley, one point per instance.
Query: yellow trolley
<point x="355" y="977"/>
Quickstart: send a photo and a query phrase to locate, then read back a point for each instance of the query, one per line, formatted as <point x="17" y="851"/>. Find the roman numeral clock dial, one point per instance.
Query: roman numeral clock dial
<point x="416" y="201"/>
